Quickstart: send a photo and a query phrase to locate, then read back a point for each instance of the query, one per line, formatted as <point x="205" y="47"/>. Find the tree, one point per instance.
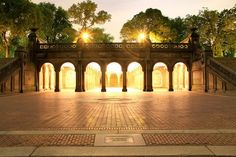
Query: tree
<point x="14" y="22"/>
<point x="55" y="26"/>
<point x="100" y="36"/>
<point x="84" y="14"/>
<point x="216" y="29"/>
<point x="158" y="28"/>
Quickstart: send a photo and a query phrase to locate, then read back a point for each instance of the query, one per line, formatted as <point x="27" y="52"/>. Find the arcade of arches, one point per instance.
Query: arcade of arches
<point x="114" y="77"/>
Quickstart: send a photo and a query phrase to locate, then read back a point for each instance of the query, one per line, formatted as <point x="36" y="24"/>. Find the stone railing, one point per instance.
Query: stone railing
<point x="10" y="66"/>
<point x="57" y="47"/>
<point x="222" y="70"/>
<point x="180" y="46"/>
<point x="111" y="46"/>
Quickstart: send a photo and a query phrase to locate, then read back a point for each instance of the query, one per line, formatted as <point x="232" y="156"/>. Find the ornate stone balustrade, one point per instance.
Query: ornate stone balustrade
<point x="170" y="46"/>
<point x="109" y="46"/>
<point x="57" y="47"/>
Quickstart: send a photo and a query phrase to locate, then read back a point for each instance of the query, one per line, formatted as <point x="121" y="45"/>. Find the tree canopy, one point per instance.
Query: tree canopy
<point x="158" y="27"/>
<point x="85" y="15"/>
<point x="216" y="29"/>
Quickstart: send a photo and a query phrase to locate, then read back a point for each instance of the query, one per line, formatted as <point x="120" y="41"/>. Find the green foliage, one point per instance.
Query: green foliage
<point x="99" y="36"/>
<point x="55" y="25"/>
<point x="84" y="14"/>
<point x="158" y="27"/>
<point x="216" y="29"/>
<point x="14" y="22"/>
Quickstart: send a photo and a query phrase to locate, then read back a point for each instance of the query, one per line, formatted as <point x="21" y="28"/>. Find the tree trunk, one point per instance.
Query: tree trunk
<point x="6" y="45"/>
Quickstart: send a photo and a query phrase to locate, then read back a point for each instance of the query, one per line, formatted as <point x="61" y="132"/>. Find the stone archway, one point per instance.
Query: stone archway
<point x="135" y="76"/>
<point x="67" y="76"/>
<point x="180" y="77"/>
<point x="93" y="76"/>
<point x="160" y="77"/>
<point x="47" y="77"/>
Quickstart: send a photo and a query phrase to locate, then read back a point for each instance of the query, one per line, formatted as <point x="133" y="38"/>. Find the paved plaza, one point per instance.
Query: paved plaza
<point x="30" y="122"/>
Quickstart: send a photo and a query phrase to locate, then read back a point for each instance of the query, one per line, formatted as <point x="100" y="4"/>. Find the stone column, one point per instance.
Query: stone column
<point x="82" y="78"/>
<point x="57" y="70"/>
<point x="37" y="70"/>
<point x="206" y="80"/>
<point x="103" y="68"/>
<point x="124" y="89"/>
<point x="149" y="78"/>
<point x="21" y="77"/>
<point x="214" y="83"/>
<point x="12" y="83"/>
<point x="78" y="87"/>
<point x="223" y="86"/>
<point x="171" y="79"/>
<point x="144" y="80"/>
<point x="190" y="79"/>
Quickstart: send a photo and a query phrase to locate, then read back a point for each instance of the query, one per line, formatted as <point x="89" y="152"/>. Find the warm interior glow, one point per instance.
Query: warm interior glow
<point x="114" y="76"/>
<point x="180" y="76"/>
<point x="67" y="76"/>
<point x="134" y="77"/>
<point x="132" y="66"/>
<point x="93" y="77"/>
<point x="47" y="77"/>
<point x="114" y="68"/>
<point x="141" y="37"/>
<point x="160" y="77"/>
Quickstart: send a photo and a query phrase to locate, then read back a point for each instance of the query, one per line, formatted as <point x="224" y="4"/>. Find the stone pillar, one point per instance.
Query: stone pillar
<point x="214" y="83"/>
<point x="144" y="80"/>
<point x="12" y="83"/>
<point x="83" y="78"/>
<point x="37" y="70"/>
<point x="124" y="89"/>
<point x="190" y="79"/>
<point x="78" y="71"/>
<point x="223" y="86"/>
<point x="103" y="68"/>
<point x="57" y="70"/>
<point x="21" y="77"/>
<point x="149" y="78"/>
<point x="206" y="80"/>
<point x="171" y="79"/>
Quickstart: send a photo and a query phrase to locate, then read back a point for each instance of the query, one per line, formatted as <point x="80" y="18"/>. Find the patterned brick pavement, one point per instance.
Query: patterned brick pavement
<point x="89" y="139"/>
<point x="47" y="140"/>
<point x="189" y="139"/>
<point x="117" y="111"/>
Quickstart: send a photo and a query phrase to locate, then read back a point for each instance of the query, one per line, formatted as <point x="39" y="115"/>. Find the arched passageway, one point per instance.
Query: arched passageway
<point x="67" y="77"/>
<point x="93" y="76"/>
<point x="160" y="77"/>
<point x="135" y="76"/>
<point x="47" y="77"/>
<point x="114" y="77"/>
<point x="180" y="77"/>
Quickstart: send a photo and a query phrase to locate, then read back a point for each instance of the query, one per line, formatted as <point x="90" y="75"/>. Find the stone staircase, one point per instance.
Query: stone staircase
<point x="224" y="68"/>
<point x="8" y="66"/>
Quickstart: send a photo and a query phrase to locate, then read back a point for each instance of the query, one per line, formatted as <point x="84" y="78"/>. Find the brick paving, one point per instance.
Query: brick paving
<point x="47" y="140"/>
<point x="117" y="111"/>
<point x="189" y="139"/>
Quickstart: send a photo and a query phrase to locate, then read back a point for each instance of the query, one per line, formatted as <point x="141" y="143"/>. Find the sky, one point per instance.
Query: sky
<point x="124" y="10"/>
